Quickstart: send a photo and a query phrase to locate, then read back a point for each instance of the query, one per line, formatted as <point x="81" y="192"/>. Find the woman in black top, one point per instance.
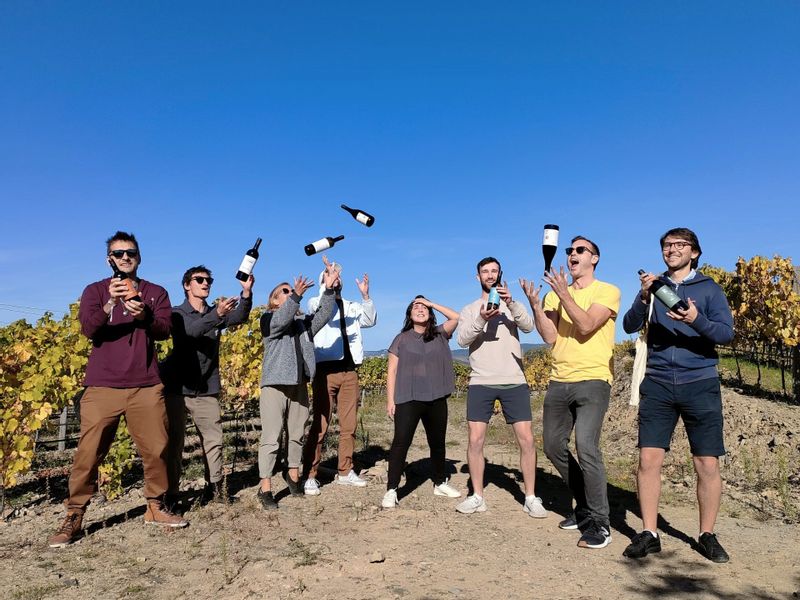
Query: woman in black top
<point x="419" y="380"/>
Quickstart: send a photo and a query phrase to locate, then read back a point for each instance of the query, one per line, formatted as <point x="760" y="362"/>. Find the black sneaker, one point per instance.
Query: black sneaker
<point x="267" y="501"/>
<point x="569" y="523"/>
<point x="595" y="536"/>
<point x="295" y="487"/>
<point x="709" y="547"/>
<point x="643" y="544"/>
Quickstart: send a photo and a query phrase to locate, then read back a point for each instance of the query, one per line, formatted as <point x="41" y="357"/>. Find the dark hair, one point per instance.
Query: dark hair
<point x="430" y="326"/>
<point x="595" y="247"/>
<point x="687" y="235"/>
<point x="486" y="261"/>
<point x="187" y="277"/>
<point x="121" y="236"/>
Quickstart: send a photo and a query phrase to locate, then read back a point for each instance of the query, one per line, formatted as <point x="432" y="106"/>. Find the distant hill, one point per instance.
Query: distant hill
<point x="459" y="354"/>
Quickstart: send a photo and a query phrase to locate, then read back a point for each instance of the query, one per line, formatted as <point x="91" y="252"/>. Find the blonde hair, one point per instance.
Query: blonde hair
<point x="271" y="305"/>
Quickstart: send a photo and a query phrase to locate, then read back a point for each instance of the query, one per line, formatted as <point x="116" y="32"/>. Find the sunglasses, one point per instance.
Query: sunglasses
<point x="286" y="291"/>
<point x="131" y="252"/>
<point x="578" y="250"/>
<point x="199" y="279"/>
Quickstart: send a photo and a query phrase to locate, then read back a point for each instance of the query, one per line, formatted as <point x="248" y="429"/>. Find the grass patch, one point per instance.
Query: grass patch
<point x="36" y="592"/>
<point x="770" y="375"/>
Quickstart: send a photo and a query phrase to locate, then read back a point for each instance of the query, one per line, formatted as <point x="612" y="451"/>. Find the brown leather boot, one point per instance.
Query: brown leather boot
<point x="69" y="531"/>
<point x="158" y="514"/>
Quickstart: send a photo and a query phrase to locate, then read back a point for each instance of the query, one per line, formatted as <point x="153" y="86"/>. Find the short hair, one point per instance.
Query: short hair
<point x="687" y="235"/>
<point x="595" y="247"/>
<point x="121" y="236"/>
<point x="187" y="277"/>
<point x="489" y="259"/>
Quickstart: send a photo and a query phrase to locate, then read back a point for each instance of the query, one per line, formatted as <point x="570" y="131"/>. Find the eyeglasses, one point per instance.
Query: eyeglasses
<point x="578" y="250"/>
<point x="131" y="252"/>
<point x="201" y="280"/>
<point x="676" y="245"/>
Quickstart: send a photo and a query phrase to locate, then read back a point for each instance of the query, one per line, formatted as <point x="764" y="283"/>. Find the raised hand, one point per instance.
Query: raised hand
<point x="531" y="291"/>
<point x="558" y="281"/>
<point x="247" y="286"/>
<point x="363" y="286"/>
<point x="226" y="305"/>
<point x="301" y="284"/>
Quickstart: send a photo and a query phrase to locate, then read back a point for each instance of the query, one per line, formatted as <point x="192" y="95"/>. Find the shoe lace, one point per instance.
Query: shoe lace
<point x="68" y="525"/>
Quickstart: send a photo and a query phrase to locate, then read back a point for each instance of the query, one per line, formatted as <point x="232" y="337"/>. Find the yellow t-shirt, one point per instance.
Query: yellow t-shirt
<point x="579" y="357"/>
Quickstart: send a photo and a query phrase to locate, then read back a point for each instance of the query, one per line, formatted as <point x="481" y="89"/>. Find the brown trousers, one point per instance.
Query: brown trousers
<point x="101" y="409"/>
<point x="342" y="390"/>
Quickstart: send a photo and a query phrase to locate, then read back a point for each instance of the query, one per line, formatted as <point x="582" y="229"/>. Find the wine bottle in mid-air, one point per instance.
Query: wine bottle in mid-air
<point x="360" y="216"/>
<point x="248" y="262"/>
<point x="549" y="245"/>
<point x="323" y="244"/>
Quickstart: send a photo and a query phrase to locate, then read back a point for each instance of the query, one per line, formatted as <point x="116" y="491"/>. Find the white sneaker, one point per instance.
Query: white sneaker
<point x="351" y="479"/>
<point x="389" y="499"/>
<point x="445" y="489"/>
<point x="311" y="487"/>
<point x="471" y="505"/>
<point x="534" y="507"/>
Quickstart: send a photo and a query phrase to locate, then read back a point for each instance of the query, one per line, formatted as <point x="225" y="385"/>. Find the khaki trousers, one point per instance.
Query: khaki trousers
<point x="329" y="389"/>
<point x="101" y="409"/>
<point x="207" y="417"/>
<point x="281" y="404"/>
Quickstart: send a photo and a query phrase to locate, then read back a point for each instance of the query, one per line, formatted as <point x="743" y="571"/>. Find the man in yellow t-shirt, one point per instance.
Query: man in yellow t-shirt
<point x="578" y="320"/>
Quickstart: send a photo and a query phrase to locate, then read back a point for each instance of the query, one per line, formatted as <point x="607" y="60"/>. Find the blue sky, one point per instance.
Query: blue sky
<point x="463" y="127"/>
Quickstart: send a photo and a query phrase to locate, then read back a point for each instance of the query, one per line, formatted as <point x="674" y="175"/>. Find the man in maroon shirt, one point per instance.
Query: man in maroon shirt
<point x="123" y="317"/>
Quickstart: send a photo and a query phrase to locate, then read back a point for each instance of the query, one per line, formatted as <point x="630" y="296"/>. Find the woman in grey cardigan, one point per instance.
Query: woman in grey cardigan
<point x="288" y="366"/>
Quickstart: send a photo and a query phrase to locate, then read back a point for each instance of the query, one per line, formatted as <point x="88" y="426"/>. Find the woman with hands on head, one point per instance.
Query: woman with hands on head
<point x="288" y="366"/>
<point x="418" y="382"/>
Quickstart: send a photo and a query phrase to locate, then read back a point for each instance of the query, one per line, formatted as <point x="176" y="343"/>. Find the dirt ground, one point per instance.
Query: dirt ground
<point x="342" y="545"/>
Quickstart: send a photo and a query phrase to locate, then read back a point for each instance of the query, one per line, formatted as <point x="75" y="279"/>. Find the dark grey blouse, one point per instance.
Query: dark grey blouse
<point x="424" y="369"/>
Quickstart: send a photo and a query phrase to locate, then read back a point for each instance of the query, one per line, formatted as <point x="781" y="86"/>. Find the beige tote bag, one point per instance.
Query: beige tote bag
<point x="640" y="359"/>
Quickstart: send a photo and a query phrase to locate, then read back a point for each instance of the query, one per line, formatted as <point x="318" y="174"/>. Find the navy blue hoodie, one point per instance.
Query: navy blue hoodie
<point x="680" y="352"/>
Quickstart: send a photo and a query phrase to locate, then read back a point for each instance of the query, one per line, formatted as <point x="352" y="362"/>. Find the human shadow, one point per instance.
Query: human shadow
<point x="420" y="471"/>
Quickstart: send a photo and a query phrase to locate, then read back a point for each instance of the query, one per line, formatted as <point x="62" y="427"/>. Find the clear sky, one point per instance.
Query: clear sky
<point x="462" y="126"/>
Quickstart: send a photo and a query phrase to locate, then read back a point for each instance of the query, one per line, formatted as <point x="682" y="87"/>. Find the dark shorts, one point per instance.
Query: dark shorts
<point x="515" y="401"/>
<point x="699" y="404"/>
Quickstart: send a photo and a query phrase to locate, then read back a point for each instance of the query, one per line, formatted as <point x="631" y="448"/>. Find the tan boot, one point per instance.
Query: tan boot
<point x="69" y="531"/>
<point x="158" y="514"/>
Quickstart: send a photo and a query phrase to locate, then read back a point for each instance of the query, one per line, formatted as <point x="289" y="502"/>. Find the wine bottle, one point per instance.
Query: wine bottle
<point x="133" y="293"/>
<point x="549" y="245"/>
<point x="494" y="297"/>
<point x="360" y="216"/>
<point x="323" y="244"/>
<point x="666" y="295"/>
<point x="248" y="262"/>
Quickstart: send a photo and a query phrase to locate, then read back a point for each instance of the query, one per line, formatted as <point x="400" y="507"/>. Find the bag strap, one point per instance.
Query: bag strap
<point x="646" y="327"/>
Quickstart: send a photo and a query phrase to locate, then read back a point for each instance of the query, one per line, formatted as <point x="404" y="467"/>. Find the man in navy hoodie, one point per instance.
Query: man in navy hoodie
<point x="681" y="380"/>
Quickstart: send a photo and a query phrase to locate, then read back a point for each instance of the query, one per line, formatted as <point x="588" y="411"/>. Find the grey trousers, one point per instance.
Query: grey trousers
<point x="582" y="406"/>
<point x="281" y="404"/>
<point x="207" y="418"/>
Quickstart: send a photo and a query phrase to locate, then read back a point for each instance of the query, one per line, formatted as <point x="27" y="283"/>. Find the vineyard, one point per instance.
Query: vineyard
<point x="42" y="366"/>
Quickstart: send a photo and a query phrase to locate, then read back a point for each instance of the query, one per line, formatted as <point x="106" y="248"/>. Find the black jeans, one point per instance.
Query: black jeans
<point x="581" y="406"/>
<point x="406" y="418"/>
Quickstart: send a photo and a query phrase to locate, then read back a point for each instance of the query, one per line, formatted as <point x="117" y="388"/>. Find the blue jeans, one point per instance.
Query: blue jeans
<point x="582" y="406"/>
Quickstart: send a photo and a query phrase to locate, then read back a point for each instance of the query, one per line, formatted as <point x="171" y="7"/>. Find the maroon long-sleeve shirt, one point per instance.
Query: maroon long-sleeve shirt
<point x="123" y="353"/>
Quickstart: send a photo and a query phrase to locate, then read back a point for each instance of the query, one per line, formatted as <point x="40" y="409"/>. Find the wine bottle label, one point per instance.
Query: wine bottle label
<point x="494" y="297"/>
<point x="320" y="245"/>
<point x="667" y="295"/>
<point x="248" y="262"/>
<point x="550" y="237"/>
<point x="362" y="218"/>
<point x="132" y="291"/>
